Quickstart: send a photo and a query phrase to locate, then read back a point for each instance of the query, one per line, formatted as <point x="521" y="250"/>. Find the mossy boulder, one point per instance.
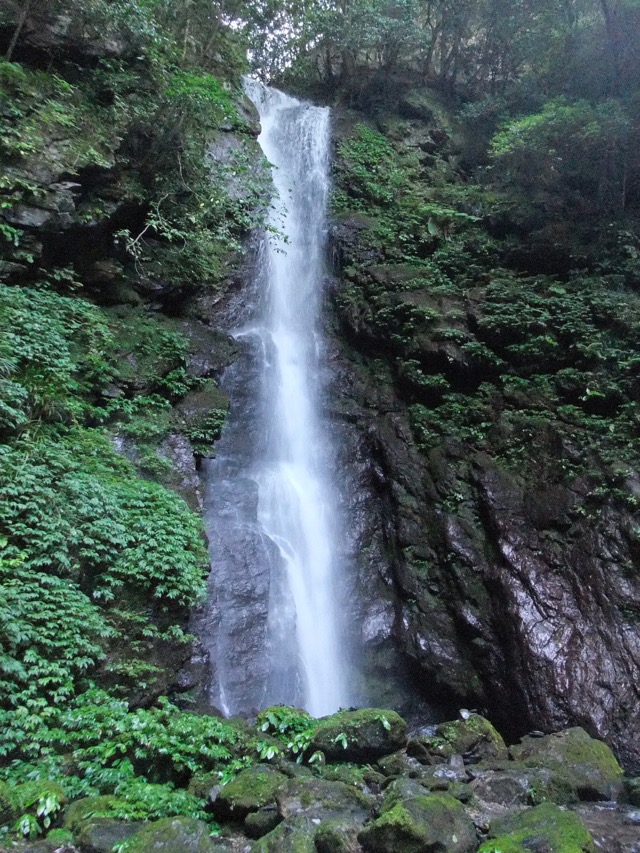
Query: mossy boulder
<point x="544" y="828"/>
<point x="399" y="764"/>
<point x="60" y="837"/>
<point x="349" y="774"/>
<point x="295" y="835"/>
<point x="249" y="791"/>
<point x="586" y="766"/>
<point x="441" y="777"/>
<point x="101" y="834"/>
<point x="339" y="835"/>
<point x="8" y="810"/>
<point x="359" y="736"/>
<point x="174" y="835"/>
<point x="78" y="813"/>
<point x="433" y="822"/>
<point x="93" y="827"/>
<point x="474" y="738"/>
<point x="263" y="821"/>
<point x="322" y="799"/>
<point x="399" y="790"/>
<point x="510" y="787"/>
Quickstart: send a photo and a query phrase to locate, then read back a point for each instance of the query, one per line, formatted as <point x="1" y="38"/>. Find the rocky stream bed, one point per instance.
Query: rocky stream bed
<point x="369" y="785"/>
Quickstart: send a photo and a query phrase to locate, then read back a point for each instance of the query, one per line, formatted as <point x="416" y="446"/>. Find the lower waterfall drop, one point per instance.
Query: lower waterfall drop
<point x="272" y="625"/>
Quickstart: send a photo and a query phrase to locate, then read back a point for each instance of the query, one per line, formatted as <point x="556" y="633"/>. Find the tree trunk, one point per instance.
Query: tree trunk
<point x="614" y="46"/>
<point x="16" y="35"/>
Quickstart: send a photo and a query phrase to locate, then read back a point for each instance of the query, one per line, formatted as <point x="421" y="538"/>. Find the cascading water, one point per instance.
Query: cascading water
<point x="272" y="626"/>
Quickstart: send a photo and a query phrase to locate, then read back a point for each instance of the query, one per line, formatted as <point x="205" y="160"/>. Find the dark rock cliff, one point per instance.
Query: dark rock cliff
<point x="505" y="513"/>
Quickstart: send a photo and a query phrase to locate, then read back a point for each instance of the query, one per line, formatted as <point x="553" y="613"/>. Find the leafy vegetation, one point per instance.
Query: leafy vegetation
<point x="99" y="562"/>
<point x="384" y="182"/>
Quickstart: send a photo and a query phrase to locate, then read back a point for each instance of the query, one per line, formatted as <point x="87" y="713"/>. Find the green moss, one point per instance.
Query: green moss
<point x="393" y="831"/>
<point x="583" y="765"/>
<point x="172" y="835"/>
<point x="546" y="825"/>
<point x="248" y="791"/>
<point x="30" y="794"/>
<point x="359" y="735"/>
<point x="82" y="811"/>
<point x="349" y="774"/>
<point x="336" y="836"/>
<point x="476" y="735"/>
<point x="60" y="837"/>
<point x="436" y="821"/>
<point x="295" y="835"/>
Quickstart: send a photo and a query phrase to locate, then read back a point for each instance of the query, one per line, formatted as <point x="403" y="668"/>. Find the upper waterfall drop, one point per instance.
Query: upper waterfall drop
<point x="273" y="629"/>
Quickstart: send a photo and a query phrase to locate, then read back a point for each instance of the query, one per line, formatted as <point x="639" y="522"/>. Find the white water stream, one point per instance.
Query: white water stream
<point x="291" y="541"/>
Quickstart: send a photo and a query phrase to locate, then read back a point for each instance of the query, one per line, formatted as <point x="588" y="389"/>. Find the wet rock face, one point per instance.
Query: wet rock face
<point x="516" y="587"/>
<point x="510" y="600"/>
<point x="535" y="621"/>
<point x="366" y="507"/>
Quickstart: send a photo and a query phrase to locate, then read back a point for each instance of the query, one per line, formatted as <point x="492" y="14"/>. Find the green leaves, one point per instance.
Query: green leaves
<point x="386" y="183"/>
<point x="571" y="158"/>
<point x="292" y="726"/>
<point x="79" y="527"/>
<point x="49" y="638"/>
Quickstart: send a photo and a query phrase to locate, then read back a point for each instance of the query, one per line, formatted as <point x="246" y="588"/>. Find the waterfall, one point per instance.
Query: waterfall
<point x="272" y="625"/>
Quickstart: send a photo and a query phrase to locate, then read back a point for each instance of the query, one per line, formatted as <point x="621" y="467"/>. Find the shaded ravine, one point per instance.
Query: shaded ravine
<point x="272" y="624"/>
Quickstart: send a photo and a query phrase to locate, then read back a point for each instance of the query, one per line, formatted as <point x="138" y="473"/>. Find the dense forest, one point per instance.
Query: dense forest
<point x="485" y="303"/>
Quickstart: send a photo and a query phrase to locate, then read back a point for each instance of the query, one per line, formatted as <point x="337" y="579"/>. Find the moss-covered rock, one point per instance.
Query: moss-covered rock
<point x="60" y="837"/>
<point x="295" y="835"/>
<point x="546" y="827"/>
<point x="441" y="777"/>
<point x="359" y="736"/>
<point x="249" y="791"/>
<point x="510" y="787"/>
<point x="94" y="830"/>
<point x="78" y="813"/>
<point x="586" y="766"/>
<point x="349" y="774"/>
<point x="101" y="834"/>
<point x="432" y="822"/>
<point x="28" y="795"/>
<point x="339" y="835"/>
<point x="319" y="798"/>
<point x="399" y="764"/>
<point x="399" y="790"/>
<point x="174" y="835"/>
<point x="475" y="738"/>
<point x="263" y="821"/>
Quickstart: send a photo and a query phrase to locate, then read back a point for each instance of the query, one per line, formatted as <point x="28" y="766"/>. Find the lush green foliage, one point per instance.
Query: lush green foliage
<point x="92" y="551"/>
<point x="384" y="182"/>
<point x="50" y="636"/>
<point x="583" y="46"/>
<point x="537" y="370"/>
<point x="292" y="726"/>
<point x="572" y="159"/>
<point x="95" y="745"/>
